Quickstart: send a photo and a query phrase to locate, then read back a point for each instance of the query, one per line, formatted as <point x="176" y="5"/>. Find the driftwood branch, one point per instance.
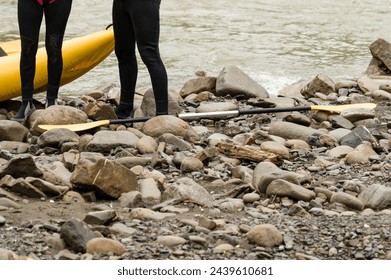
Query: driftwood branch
<point x="249" y="153"/>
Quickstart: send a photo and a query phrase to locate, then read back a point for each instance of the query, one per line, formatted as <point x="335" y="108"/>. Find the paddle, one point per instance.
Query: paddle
<point x="194" y="116"/>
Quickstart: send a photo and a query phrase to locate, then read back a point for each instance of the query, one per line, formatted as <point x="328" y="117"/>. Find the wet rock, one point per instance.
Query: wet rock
<point x="58" y="115"/>
<point x="267" y="172"/>
<point x="175" y="141"/>
<point x="147" y="214"/>
<point x="150" y="193"/>
<point x="55" y="243"/>
<point x="56" y="173"/>
<point x="289" y="130"/>
<point x="20" y="167"/>
<point x="266" y="235"/>
<point x="103" y="175"/>
<point x="18" y="147"/>
<point x="356" y="137"/>
<point x="284" y="188"/>
<point x="376" y="196"/>
<point x="121" y="229"/>
<point x="45" y="187"/>
<point x="56" y="137"/>
<point x="207" y="223"/>
<point x="171" y="240"/>
<point x="222" y="248"/>
<point x="340" y="151"/>
<point x="21" y="187"/>
<point x="12" y="131"/>
<point x="105" y="141"/>
<point x="381" y="50"/>
<point x="231" y="205"/>
<point x="386" y="87"/>
<point x="190" y="164"/>
<point x="74" y="197"/>
<point x="147" y="145"/>
<point x="297" y="210"/>
<point x="132" y="199"/>
<point x="8" y="203"/>
<point x="244" y="173"/>
<point x="341" y="122"/>
<point x="102" y="245"/>
<point x="76" y="234"/>
<point x="381" y="95"/>
<point x="301" y="256"/>
<point x="148" y="102"/>
<point x="321" y="83"/>
<point x="66" y="255"/>
<point x="198" y="85"/>
<point x="339" y="133"/>
<point x="348" y="200"/>
<point x="361" y="154"/>
<point x="367" y="84"/>
<point x="130" y="162"/>
<point x="159" y="125"/>
<point x="100" y="217"/>
<point x="354" y="115"/>
<point x="6" y="255"/>
<point x="298" y="119"/>
<point x="296" y="144"/>
<point x="251" y="197"/>
<point x="276" y="148"/>
<point x="99" y="110"/>
<point x="186" y="189"/>
<point x="233" y="81"/>
<point x="215" y="138"/>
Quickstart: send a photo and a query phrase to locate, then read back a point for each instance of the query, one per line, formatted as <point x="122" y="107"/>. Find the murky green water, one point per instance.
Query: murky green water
<point x="277" y="42"/>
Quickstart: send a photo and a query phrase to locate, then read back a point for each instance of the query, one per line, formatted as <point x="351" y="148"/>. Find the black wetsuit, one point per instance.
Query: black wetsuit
<point x="138" y="22"/>
<point x="30" y="15"/>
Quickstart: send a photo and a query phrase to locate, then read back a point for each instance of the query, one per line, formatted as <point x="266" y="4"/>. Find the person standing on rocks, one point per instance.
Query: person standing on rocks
<point x="137" y="22"/>
<point x="30" y="15"/>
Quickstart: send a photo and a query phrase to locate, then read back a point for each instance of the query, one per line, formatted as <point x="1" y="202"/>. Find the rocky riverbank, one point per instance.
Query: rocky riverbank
<point x="312" y="184"/>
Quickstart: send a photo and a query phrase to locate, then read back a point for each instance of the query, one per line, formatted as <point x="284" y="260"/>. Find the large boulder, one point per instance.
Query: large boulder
<point x="234" y="82"/>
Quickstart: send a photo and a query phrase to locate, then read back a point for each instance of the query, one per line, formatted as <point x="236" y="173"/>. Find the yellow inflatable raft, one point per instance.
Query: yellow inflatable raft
<point x="80" y="55"/>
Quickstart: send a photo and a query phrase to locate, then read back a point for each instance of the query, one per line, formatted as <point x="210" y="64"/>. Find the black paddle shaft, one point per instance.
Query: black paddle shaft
<point x="273" y="110"/>
<point x="188" y="116"/>
<point x="132" y="120"/>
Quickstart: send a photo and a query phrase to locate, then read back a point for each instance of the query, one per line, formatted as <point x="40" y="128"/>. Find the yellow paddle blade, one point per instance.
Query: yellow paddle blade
<point x="340" y="108"/>
<point x="75" y="127"/>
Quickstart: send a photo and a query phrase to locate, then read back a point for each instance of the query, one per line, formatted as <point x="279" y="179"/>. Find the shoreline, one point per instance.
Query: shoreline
<point x="292" y="185"/>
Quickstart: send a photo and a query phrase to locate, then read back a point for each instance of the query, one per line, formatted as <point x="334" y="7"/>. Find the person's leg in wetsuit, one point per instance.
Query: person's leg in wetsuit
<point x="30" y="15"/>
<point x="56" y="18"/>
<point x="138" y="22"/>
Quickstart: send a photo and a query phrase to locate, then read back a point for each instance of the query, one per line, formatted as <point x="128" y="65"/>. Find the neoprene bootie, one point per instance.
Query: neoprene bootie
<point x="24" y="112"/>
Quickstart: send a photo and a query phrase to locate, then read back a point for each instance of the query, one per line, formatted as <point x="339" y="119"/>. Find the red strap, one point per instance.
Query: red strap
<point x="41" y="2"/>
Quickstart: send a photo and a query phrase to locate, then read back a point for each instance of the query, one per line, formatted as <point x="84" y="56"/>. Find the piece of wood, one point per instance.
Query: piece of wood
<point x="246" y="152"/>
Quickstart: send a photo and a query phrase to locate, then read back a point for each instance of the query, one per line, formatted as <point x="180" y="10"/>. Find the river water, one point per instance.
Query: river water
<point x="276" y="42"/>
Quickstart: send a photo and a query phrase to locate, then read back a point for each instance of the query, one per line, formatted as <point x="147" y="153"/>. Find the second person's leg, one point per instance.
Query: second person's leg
<point x="146" y="21"/>
<point x="125" y="51"/>
<point x="56" y="18"/>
